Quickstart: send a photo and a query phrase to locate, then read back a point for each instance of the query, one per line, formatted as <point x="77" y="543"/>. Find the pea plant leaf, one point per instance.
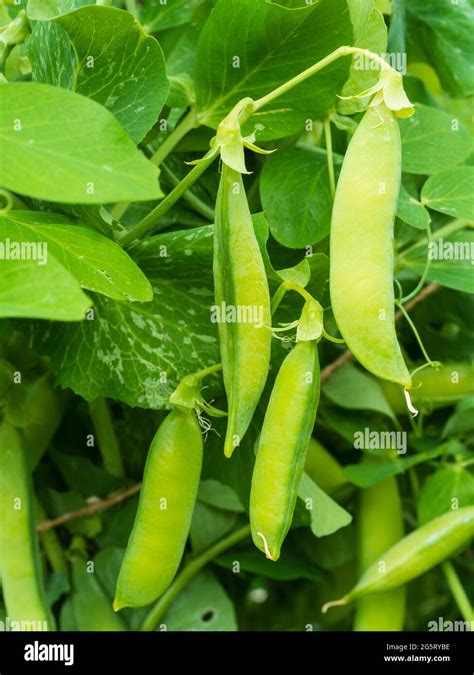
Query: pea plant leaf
<point x="326" y="516"/>
<point x="296" y="197"/>
<point x="350" y="388"/>
<point x="412" y="211"/>
<point x="433" y="140"/>
<point x="157" y="16"/>
<point x="445" y="30"/>
<point x="451" y="192"/>
<point x="450" y="260"/>
<point x="447" y="488"/>
<point x="256" y="46"/>
<point x="370" y="33"/>
<point x="103" y="53"/>
<point x="98" y="263"/>
<point x="41" y="10"/>
<point x="137" y="353"/>
<point x="36" y="291"/>
<point x="83" y="154"/>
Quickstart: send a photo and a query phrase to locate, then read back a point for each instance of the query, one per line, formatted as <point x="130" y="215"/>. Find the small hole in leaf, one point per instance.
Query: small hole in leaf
<point x="208" y="616"/>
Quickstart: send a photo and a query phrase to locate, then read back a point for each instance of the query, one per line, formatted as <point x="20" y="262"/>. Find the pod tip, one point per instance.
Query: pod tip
<point x="118" y="604"/>
<point x="266" y="550"/>
<point x="334" y="603"/>
<point x="410" y="406"/>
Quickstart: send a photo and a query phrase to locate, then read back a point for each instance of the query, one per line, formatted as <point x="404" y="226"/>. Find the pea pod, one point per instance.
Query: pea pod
<point x="380" y="525"/>
<point x="20" y="565"/>
<point x="163" y="519"/>
<point x="241" y="287"/>
<point x="434" y="388"/>
<point x="361" y="263"/>
<point x="415" y="554"/>
<point x="282" y="447"/>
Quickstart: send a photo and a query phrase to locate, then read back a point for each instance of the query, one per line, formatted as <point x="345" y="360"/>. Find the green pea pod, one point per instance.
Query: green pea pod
<point x="241" y="289"/>
<point x="380" y="526"/>
<point x="163" y="519"/>
<point x="286" y="431"/>
<point x="361" y="264"/>
<point x="415" y="554"/>
<point x="323" y="468"/>
<point x="91" y="606"/>
<point x="20" y="565"/>
<point x="434" y="388"/>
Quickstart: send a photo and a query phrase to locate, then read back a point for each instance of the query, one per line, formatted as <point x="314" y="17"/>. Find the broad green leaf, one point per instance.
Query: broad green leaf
<point x="103" y="53"/>
<point x="83" y="476"/>
<point x="433" y="140"/>
<point x="451" y="192"/>
<point x="450" y="260"/>
<point x="350" y="388"/>
<point x="215" y="493"/>
<point x="137" y="353"/>
<point x="449" y="487"/>
<point x="41" y="10"/>
<point x="296" y="197"/>
<point x="412" y="211"/>
<point x="208" y="525"/>
<point x="157" y="15"/>
<point x="326" y="515"/>
<point x="462" y="420"/>
<point x="370" y="32"/>
<point x="249" y="47"/>
<point x="202" y="606"/>
<point x="365" y="475"/>
<point x="289" y="566"/>
<point x="445" y="30"/>
<point x="68" y="148"/>
<point x="98" y="263"/>
<point x="40" y="291"/>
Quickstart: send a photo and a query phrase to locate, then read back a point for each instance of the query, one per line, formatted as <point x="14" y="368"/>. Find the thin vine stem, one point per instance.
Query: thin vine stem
<point x="150" y="220"/>
<point x="183" y="127"/>
<point x="192" y="199"/>
<point x="190" y="570"/>
<point x="330" y="161"/>
<point x="424" y="276"/>
<point x="458" y="592"/>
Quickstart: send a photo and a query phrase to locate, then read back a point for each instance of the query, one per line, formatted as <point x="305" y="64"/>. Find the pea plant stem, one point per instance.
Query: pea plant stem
<point x="150" y="220"/>
<point x="185" y="125"/>
<point x="107" y="440"/>
<point x="328" y="138"/>
<point x="193" y="200"/>
<point x="458" y="592"/>
<point x="423" y="277"/>
<point x="312" y="70"/>
<point x="190" y="570"/>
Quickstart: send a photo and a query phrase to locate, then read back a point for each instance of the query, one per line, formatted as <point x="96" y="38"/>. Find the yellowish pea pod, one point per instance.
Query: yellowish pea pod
<point x="282" y="447"/>
<point x="20" y="565"/>
<point x="380" y="526"/>
<point x="243" y="305"/>
<point x="361" y="263"/>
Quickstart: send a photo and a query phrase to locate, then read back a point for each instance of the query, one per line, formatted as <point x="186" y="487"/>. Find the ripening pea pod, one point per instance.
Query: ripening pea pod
<point x="282" y="447"/>
<point x="434" y="388"/>
<point x="380" y="525"/>
<point x="418" y="552"/>
<point x="20" y="565"/>
<point x="90" y="605"/>
<point x="161" y="528"/>
<point x="362" y="257"/>
<point x="241" y="286"/>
